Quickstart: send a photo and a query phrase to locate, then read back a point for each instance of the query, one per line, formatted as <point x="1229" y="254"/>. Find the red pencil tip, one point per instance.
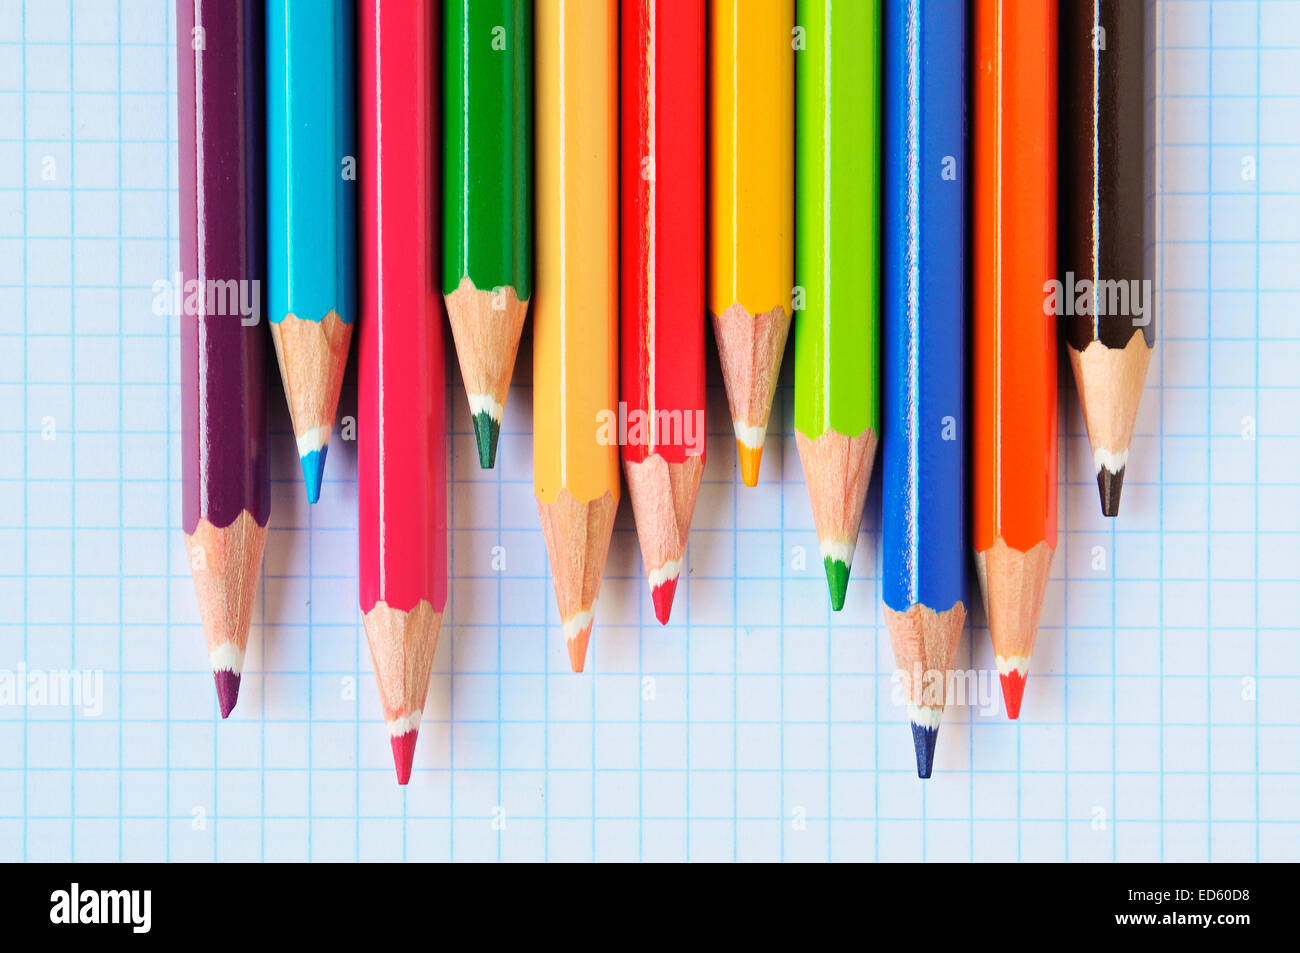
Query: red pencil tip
<point x="404" y="753"/>
<point x="1013" y="690"/>
<point x="227" y="690"/>
<point x="578" y="648"/>
<point x="662" y="596"/>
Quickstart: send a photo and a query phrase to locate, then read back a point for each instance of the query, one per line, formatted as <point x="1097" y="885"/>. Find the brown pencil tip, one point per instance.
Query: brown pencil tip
<point x="1110" y="483"/>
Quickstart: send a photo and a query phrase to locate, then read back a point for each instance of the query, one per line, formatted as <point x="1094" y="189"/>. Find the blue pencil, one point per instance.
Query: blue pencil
<point x="924" y="398"/>
<point x="311" y="211"/>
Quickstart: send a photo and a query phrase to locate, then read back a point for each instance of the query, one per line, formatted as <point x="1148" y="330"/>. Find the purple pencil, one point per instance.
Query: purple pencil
<point x="227" y="493"/>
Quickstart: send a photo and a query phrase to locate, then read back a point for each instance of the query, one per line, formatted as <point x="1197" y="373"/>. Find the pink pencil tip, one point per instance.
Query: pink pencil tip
<point x="227" y="690"/>
<point x="404" y="754"/>
<point x="1013" y="691"/>
<point x="662" y="596"/>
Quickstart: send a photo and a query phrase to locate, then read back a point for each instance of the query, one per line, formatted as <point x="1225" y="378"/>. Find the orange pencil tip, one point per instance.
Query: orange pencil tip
<point x="1013" y="692"/>
<point x="578" y="648"/>
<point x="750" y="458"/>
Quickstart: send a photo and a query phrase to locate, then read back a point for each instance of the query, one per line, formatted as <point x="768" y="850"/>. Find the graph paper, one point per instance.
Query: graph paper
<point x="1161" y="719"/>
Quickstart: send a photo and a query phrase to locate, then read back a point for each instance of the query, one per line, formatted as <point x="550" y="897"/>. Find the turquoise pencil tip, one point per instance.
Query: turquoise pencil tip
<point x="313" y="465"/>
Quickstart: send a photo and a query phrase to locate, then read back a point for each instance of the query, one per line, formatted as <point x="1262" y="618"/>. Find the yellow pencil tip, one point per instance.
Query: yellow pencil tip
<point x="750" y="458"/>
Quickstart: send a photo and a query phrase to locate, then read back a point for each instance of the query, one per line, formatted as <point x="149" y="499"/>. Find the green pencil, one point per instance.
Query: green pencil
<point x="487" y="198"/>
<point x="837" y="266"/>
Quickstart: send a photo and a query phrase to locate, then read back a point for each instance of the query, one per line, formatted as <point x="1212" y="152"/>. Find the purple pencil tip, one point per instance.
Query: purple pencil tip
<point x="227" y="690"/>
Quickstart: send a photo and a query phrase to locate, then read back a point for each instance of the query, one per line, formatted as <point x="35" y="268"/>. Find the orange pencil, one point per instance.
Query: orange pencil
<point x="1015" y="338"/>
<point x="575" y="318"/>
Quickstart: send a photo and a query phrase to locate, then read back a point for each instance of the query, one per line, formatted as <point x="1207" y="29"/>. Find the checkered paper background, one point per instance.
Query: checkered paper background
<point x="1162" y="721"/>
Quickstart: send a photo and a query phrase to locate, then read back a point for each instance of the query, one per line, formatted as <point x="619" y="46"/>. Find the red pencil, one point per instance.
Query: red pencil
<point x="663" y="167"/>
<point x="402" y="468"/>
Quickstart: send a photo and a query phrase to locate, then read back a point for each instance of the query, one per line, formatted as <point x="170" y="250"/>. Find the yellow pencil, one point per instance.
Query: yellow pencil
<point x="575" y="318"/>
<point x="751" y="182"/>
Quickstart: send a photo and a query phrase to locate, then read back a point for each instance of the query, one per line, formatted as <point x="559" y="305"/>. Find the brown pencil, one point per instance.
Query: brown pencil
<point x="1103" y="241"/>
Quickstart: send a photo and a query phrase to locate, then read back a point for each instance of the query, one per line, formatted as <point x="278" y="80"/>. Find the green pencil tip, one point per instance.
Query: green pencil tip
<point x="486" y="431"/>
<point x="837" y="577"/>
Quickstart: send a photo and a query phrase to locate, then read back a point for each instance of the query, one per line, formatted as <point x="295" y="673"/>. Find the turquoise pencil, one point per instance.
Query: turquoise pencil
<point x="311" y="211"/>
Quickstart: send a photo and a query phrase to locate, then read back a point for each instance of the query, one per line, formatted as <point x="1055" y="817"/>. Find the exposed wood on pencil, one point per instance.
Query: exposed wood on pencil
<point x="837" y="470"/>
<point x="1014" y="584"/>
<point x="226" y="564"/>
<point x="663" y="500"/>
<point x="577" y="541"/>
<point x="402" y="647"/>
<point x="1110" y="382"/>
<point x="925" y="650"/>
<point x="486" y="325"/>
<point x="750" y="348"/>
<point x="312" y="356"/>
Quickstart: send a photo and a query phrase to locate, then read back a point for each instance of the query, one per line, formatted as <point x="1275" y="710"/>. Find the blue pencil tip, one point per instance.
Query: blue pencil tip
<point x="313" y="465"/>
<point x="923" y="739"/>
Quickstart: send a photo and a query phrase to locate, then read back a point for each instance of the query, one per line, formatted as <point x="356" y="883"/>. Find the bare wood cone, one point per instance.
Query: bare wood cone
<point x="312" y="356"/>
<point x="750" y="348"/>
<point x="402" y="647"/>
<point x="663" y="501"/>
<point x="486" y="325"/>
<point x="1014" y="585"/>
<point x="577" y="541"/>
<point x="837" y="470"/>
<point x="1110" y="383"/>
<point x="226" y="563"/>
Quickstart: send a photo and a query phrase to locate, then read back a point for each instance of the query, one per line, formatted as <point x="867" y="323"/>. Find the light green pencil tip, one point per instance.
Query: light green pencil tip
<point x="837" y="577"/>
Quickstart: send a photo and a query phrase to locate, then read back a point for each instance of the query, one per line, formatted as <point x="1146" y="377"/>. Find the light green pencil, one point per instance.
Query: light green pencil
<point x="837" y="266"/>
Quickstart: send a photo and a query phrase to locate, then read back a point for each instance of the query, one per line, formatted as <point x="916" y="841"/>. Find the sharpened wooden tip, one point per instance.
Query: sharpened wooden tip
<point x="226" y="562"/>
<point x="925" y="650"/>
<point x="486" y="325"/>
<point x="663" y="500"/>
<point x="312" y="357"/>
<point x="1110" y="383"/>
<point x="837" y="470"/>
<point x="750" y="348"/>
<point x="577" y="542"/>
<point x="402" y="647"/>
<point x="1014" y="584"/>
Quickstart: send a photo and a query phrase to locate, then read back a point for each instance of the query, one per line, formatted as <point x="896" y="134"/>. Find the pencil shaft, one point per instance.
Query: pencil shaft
<point x="311" y="218"/>
<point x="311" y="156"/>
<point x="924" y="402"/>
<point x="224" y="461"/>
<point x="487" y="136"/>
<point x="1014" y="387"/>
<point x="837" y="229"/>
<point x="1103" y="158"/>
<point x="751" y="207"/>
<point x="663" y="92"/>
<point x="575" y="332"/>
<point x="401" y="466"/>
<point x="751" y="167"/>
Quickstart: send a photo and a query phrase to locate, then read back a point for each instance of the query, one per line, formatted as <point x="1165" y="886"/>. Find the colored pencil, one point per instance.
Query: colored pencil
<point x="401" y="445"/>
<point x="1103" y="214"/>
<point x="751" y="189"/>
<point x="1014" y="389"/>
<point x="226" y="495"/>
<point x="487" y="201"/>
<point x="311" y="215"/>
<point x="662" y="375"/>
<point x="837" y="264"/>
<point x="575" y="319"/>
<point x="923" y="524"/>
